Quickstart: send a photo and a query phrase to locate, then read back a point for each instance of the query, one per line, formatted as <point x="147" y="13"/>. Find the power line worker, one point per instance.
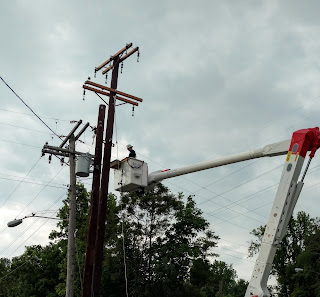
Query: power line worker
<point x="132" y="153"/>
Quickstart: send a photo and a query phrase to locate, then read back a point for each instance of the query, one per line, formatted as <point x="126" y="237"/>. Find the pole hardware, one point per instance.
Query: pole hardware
<point x="122" y="59"/>
<point x="103" y="90"/>
<point x="61" y="151"/>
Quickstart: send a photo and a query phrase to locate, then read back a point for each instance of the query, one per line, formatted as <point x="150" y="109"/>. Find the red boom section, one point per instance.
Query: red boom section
<point x="303" y="141"/>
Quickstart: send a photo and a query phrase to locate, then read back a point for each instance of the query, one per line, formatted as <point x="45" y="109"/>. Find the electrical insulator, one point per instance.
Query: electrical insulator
<point x="50" y="158"/>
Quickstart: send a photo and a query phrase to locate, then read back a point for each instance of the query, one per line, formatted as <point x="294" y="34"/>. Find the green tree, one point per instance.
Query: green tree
<point x="291" y="246"/>
<point x="163" y="236"/>
<point x="60" y="238"/>
<point x="5" y="267"/>
<point x="37" y="272"/>
<point x="41" y="271"/>
<point x="307" y="282"/>
<point x="207" y="277"/>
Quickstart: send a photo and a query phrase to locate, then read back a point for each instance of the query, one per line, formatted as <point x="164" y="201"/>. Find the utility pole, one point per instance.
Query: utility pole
<point x="72" y="220"/>
<point x="220" y="288"/>
<point x="91" y="237"/>
<point x="91" y="285"/>
<point x="71" y="153"/>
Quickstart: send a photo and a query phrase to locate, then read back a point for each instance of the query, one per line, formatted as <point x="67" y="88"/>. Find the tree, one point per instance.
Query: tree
<point x="5" y="266"/>
<point x="60" y="238"/>
<point x="41" y="271"/>
<point x="158" y="241"/>
<point x="307" y="281"/>
<point x="291" y="246"/>
<point x="163" y="236"/>
<point x="207" y="277"/>
<point x="37" y="272"/>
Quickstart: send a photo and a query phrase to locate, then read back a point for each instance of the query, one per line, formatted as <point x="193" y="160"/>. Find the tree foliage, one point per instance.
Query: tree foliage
<point x="159" y="242"/>
<point x="292" y="251"/>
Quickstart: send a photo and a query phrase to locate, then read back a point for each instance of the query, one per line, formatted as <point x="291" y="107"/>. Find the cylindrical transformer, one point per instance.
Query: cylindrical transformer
<point x="83" y="165"/>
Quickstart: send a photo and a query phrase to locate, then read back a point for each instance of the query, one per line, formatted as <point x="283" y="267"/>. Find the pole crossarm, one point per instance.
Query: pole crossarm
<point x="108" y="94"/>
<point x="88" y="82"/>
<point x="82" y="130"/>
<point x="121" y="59"/>
<point x="112" y="57"/>
<point x="61" y="151"/>
<point x="71" y="132"/>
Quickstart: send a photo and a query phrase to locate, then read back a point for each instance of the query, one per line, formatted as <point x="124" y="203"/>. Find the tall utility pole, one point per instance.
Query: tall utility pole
<point x="71" y="153"/>
<point x="91" y="285"/>
<point x="72" y="219"/>
<point x="91" y="237"/>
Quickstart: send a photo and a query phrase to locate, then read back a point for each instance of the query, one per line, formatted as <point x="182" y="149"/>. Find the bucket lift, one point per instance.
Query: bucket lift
<point x="132" y="175"/>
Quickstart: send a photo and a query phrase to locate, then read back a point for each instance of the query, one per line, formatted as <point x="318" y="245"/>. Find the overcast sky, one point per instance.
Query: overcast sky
<point x="217" y="78"/>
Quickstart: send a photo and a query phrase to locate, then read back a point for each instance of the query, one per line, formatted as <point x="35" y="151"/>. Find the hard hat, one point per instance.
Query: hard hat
<point x="129" y="145"/>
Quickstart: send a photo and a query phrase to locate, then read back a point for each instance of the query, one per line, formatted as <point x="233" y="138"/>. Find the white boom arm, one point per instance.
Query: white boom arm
<point x="275" y="149"/>
<point x="286" y="197"/>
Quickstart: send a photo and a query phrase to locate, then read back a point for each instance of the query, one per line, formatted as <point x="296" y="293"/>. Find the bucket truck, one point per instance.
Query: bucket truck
<point x="132" y="175"/>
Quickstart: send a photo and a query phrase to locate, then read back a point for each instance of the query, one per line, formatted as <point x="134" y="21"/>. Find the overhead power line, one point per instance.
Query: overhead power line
<point x="21" y="143"/>
<point x="29" y="107"/>
<point x="32" y="115"/>
<point x="25" y="128"/>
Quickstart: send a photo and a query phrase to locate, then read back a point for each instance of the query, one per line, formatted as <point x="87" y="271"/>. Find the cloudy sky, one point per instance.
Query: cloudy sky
<point x="217" y="78"/>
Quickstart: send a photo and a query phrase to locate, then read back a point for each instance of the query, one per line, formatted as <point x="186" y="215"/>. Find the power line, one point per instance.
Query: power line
<point x="30" y="145"/>
<point x="26" y="229"/>
<point x="20" y="183"/>
<point x="41" y="190"/>
<point x="28" y="182"/>
<point x="31" y="235"/>
<point x="28" y="114"/>
<point x="13" y="270"/>
<point x="29" y="108"/>
<point x="25" y="128"/>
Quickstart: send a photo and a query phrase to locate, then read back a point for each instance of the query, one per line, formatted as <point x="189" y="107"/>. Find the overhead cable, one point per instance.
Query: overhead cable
<point x="29" y="108"/>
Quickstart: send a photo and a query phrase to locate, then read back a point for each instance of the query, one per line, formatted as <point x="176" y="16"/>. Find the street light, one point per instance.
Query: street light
<point x="17" y="222"/>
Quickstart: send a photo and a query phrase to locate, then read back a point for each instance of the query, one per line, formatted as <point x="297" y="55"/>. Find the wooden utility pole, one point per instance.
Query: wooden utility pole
<point x="91" y="285"/>
<point x="71" y="153"/>
<point x="91" y="237"/>
<point x="105" y="183"/>
<point x="72" y="219"/>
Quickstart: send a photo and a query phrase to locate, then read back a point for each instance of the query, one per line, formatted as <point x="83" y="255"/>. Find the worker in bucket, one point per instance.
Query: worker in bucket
<point x="132" y="153"/>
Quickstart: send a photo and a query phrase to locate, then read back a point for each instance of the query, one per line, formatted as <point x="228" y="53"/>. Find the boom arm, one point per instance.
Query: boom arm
<point x="275" y="149"/>
<point x="287" y="195"/>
